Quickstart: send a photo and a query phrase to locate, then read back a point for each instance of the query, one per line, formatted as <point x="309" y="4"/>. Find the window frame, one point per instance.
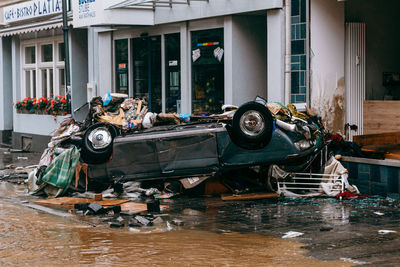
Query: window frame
<point x="55" y="65"/>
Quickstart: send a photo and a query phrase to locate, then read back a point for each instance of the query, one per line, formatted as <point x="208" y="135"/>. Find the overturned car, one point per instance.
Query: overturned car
<point x="252" y="135"/>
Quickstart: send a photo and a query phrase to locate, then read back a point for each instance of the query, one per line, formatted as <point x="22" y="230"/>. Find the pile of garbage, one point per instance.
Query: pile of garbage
<point x="61" y="167"/>
<point x="132" y="115"/>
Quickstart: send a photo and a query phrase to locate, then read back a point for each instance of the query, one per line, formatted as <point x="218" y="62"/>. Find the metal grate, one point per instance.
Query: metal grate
<point x="312" y="182"/>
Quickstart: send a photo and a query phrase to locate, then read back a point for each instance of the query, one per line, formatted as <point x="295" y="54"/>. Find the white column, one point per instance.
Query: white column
<point x="275" y="55"/>
<point x="105" y="63"/>
<point x="186" y="85"/>
<point x="228" y="60"/>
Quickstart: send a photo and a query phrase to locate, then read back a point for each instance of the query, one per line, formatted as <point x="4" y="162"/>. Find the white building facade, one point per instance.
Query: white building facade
<point x="192" y="56"/>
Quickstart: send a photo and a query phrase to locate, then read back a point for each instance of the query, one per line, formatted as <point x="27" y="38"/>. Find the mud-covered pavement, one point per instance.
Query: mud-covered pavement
<point x="335" y="233"/>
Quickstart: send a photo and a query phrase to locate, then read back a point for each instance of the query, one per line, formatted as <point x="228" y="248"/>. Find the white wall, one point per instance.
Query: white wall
<point x="327" y="33"/>
<point x="36" y="124"/>
<point x="245" y="58"/>
<point x="212" y="8"/>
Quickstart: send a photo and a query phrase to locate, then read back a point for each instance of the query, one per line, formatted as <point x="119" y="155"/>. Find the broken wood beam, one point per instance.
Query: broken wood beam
<point x="391" y="138"/>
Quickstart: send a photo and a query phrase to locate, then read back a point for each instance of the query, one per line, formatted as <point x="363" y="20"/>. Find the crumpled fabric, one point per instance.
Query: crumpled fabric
<point x="339" y="175"/>
<point x="61" y="170"/>
<point x="294" y="112"/>
<point x="65" y="130"/>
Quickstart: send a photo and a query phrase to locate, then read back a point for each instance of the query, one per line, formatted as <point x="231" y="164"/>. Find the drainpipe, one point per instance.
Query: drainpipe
<point x="288" y="49"/>
<point x="66" y="47"/>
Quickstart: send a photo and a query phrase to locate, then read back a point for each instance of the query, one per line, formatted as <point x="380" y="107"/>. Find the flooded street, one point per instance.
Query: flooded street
<point x="214" y="232"/>
<point x="33" y="238"/>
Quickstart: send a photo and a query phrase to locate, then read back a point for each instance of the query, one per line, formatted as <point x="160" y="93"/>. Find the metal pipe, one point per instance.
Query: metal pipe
<point x="67" y="62"/>
<point x="288" y="50"/>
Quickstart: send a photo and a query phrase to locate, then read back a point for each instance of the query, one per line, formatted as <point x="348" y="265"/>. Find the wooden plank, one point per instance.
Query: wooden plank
<point x="138" y="207"/>
<point x="391" y="138"/>
<point x="381" y="116"/>
<point x="252" y="196"/>
<point x="69" y="202"/>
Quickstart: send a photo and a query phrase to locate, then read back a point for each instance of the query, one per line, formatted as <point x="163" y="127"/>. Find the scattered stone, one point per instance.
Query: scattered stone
<point x="325" y="229"/>
<point x="379" y="213"/>
<point x="22" y="158"/>
<point x="143" y="220"/>
<point x="96" y="208"/>
<point x="119" y="219"/>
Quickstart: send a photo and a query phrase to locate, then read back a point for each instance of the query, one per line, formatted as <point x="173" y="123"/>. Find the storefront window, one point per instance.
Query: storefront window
<point x="61" y="52"/>
<point x="45" y="77"/>
<point x="121" y="61"/>
<point x="207" y="71"/>
<point x="30" y="55"/>
<point x="47" y="53"/>
<point x="147" y="70"/>
<point x="173" y="70"/>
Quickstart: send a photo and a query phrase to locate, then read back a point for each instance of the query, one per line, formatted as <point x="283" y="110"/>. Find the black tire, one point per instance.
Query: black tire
<point x="252" y="126"/>
<point x="92" y="155"/>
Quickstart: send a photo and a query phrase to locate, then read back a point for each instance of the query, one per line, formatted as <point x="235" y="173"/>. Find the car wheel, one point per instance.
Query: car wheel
<point x="252" y="126"/>
<point x="98" y="142"/>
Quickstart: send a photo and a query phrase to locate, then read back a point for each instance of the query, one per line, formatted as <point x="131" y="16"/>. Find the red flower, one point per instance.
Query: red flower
<point x="63" y="100"/>
<point x="65" y="113"/>
<point x="13" y="103"/>
<point x="46" y="110"/>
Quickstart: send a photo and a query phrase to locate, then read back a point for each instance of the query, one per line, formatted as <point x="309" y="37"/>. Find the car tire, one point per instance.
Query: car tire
<point x="90" y="153"/>
<point x="252" y="126"/>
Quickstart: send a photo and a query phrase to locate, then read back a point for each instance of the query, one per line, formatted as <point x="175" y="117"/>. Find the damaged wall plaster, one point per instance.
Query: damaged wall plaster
<point x="327" y="41"/>
<point x="328" y="102"/>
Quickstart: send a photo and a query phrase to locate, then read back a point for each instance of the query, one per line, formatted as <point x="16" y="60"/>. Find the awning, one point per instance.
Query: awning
<point x="152" y="4"/>
<point x="54" y="23"/>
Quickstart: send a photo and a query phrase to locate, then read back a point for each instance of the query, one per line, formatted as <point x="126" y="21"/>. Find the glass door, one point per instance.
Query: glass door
<point x="207" y="71"/>
<point x="172" y="72"/>
<point x="147" y="70"/>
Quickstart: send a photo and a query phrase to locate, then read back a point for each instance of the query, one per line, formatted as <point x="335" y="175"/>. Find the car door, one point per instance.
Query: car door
<point x="190" y="153"/>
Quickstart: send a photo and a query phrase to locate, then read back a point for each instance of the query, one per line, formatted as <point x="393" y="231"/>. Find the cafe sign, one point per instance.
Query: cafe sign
<point x="31" y="9"/>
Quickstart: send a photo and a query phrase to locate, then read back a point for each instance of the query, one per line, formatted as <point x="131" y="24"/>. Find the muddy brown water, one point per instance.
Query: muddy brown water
<point x="34" y="238"/>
